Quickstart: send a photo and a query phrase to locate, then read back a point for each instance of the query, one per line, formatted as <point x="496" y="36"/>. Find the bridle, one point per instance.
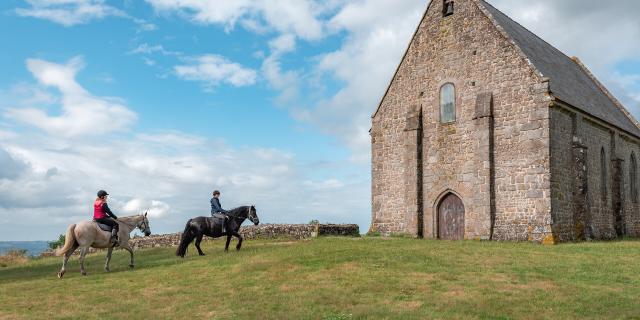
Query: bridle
<point x="249" y="214"/>
<point x="238" y="218"/>
<point x="142" y="225"/>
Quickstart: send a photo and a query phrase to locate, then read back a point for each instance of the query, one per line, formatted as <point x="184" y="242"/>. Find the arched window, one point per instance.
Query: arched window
<point x="633" y="179"/>
<point x="603" y="174"/>
<point x="447" y="103"/>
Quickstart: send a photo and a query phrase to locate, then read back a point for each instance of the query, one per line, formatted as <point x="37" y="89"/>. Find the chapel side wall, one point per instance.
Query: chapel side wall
<point x="625" y="146"/>
<point x="565" y="192"/>
<point x="599" y="218"/>
<point x="579" y="209"/>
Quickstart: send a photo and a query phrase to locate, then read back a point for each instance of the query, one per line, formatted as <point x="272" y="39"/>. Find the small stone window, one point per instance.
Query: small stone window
<point x="633" y="179"/>
<point x="447" y="103"/>
<point x="447" y="8"/>
<point x="603" y="175"/>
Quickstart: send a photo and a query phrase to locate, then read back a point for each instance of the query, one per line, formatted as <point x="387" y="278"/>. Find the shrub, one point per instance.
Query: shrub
<point x="57" y="243"/>
<point x="374" y="233"/>
<point x="13" y="257"/>
<point x="314" y="221"/>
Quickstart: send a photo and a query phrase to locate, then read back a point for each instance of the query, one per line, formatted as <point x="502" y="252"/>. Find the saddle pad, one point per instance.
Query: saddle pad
<point x="104" y="227"/>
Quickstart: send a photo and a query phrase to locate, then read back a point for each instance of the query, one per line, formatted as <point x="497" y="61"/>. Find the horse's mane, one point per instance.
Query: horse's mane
<point x="129" y="219"/>
<point x="234" y="212"/>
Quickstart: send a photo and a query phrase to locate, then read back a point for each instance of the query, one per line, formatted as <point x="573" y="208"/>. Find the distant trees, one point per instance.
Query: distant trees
<point x="57" y="243"/>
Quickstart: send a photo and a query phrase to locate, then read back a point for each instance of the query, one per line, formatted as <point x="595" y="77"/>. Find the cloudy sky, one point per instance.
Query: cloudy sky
<point x="161" y="101"/>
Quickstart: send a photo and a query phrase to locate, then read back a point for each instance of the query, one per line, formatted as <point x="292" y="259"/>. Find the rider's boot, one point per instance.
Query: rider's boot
<point x="114" y="236"/>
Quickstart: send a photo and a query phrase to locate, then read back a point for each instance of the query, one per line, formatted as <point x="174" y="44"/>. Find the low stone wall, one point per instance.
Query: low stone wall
<point x="265" y="231"/>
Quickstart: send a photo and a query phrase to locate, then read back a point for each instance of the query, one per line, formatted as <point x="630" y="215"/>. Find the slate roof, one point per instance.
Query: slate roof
<point x="568" y="81"/>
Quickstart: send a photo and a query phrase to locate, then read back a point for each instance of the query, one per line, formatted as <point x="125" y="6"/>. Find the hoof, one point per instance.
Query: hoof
<point x="131" y="266"/>
<point x="202" y="254"/>
<point x="83" y="273"/>
<point x="107" y="269"/>
<point x="60" y="274"/>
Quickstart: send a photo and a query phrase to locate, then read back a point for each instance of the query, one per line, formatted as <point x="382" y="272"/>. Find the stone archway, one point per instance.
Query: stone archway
<point x="451" y="218"/>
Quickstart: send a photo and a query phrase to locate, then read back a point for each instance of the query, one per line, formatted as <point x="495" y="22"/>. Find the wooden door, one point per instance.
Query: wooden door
<point x="451" y="218"/>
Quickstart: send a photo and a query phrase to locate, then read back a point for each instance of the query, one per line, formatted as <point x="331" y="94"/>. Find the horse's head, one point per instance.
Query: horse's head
<point x="253" y="216"/>
<point x="144" y="225"/>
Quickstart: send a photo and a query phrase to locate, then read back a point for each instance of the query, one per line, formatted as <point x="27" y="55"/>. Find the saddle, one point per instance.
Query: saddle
<point x="220" y="218"/>
<point x="104" y="227"/>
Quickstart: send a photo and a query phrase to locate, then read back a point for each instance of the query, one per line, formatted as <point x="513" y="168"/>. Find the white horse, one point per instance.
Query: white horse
<point x="87" y="234"/>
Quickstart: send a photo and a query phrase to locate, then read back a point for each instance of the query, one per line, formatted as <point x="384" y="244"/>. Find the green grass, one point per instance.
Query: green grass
<point x="338" y="278"/>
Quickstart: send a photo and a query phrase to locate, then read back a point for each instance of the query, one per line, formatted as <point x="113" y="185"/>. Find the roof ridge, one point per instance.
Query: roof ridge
<point x="604" y="89"/>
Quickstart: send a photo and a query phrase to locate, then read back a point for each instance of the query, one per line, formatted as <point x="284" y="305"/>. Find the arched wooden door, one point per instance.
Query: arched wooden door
<point x="451" y="218"/>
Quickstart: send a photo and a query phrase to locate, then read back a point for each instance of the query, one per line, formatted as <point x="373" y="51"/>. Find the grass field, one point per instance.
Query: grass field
<point x="338" y="278"/>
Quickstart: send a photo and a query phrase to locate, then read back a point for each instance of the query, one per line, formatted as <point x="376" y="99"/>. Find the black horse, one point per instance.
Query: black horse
<point x="197" y="228"/>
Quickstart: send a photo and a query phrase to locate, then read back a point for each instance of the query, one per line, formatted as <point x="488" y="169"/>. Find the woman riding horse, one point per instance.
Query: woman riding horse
<point x="102" y="214"/>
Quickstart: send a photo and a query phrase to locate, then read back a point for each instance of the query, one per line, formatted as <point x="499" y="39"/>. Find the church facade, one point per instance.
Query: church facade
<point x="488" y="132"/>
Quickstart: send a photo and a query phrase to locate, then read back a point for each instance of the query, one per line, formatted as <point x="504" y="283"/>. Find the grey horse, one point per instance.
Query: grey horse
<point x="87" y="234"/>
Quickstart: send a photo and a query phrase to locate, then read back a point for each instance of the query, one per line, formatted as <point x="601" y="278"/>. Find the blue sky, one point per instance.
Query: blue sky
<point x="162" y="101"/>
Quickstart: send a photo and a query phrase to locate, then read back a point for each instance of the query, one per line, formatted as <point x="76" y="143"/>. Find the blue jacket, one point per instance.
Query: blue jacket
<point x="216" y="207"/>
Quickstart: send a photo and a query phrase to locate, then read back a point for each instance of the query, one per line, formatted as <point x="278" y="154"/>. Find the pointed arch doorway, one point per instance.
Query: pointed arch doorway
<point x="451" y="218"/>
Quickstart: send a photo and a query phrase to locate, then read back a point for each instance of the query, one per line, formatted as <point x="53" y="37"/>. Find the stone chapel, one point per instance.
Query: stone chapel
<point x="488" y="132"/>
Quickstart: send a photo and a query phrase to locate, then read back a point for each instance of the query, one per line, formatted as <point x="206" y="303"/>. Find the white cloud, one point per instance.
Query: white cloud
<point x="146" y="48"/>
<point x="212" y="70"/>
<point x="69" y="12"/>
<point x="48" y="180"/>
<point x="378" y="33"/>
<point x="154" y="208"/>
<point x="75" y="12"/>
<point x="283" y="43"/>
<point x="299" y="17"/>
<point x="172" y="181"/>
<point x="82" y="113"/>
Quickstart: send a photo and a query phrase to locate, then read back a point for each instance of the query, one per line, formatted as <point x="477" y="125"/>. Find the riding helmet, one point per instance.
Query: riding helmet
<point x="102" y="193"/>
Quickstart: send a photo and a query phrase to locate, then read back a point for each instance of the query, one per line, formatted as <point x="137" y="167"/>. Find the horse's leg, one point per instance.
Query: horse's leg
<point x="106" y="264"/>
<point x="226" y="247"/>
<point x="239" y="236"/>
<point x="83" y="252"/>
<point x="126" y="247"/>
<point x="198" y="240"/>
<point x="65" y="259"/>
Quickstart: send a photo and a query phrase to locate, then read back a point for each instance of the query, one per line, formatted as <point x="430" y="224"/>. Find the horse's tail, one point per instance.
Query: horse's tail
<point x="185" y="240"/>
<point x="69" y="241"/>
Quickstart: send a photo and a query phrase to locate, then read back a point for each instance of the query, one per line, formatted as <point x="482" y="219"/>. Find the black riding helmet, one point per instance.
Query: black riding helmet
<point x="102" y="193"/>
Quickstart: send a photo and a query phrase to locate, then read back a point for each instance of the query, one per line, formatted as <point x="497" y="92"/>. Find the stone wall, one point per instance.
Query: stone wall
<point x="264" y="231"/>
<point x="497" y="162"/>
<point x="585" y="206"/>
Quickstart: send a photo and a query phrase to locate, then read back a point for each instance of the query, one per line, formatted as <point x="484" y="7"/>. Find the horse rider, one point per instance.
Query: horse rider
<point x="102" y="214"/>
<point x="216" y="208"/>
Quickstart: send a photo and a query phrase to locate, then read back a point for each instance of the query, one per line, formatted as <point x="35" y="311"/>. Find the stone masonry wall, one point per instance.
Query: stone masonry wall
<point x="579" y="209"/>
<point x="467" y="50"/>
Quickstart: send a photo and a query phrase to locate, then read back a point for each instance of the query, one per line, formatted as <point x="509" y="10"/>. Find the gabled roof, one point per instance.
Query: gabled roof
<point x="569" y="80"/>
